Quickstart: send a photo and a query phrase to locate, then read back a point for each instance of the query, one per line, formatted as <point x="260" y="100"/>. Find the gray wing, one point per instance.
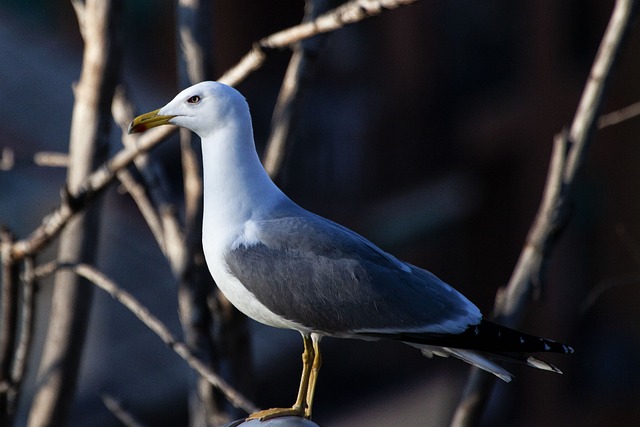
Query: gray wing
<point x="326" y="277"/>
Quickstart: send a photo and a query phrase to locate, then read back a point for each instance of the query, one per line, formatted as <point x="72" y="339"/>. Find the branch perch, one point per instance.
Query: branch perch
<point x="153" y="323"/>
<point x="570" y="149"/>
<point x="8" y="323"/>
<point x="298" y="72"/>
<point x="88" y="146"/>
<point x="348" y="13"/>
<point x="75" y="201"/>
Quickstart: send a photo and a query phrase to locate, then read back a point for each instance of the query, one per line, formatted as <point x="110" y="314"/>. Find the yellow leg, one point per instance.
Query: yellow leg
<point x="313" y="378"/>
<point x="300" y="407"/>
<point x="308" y="356"/>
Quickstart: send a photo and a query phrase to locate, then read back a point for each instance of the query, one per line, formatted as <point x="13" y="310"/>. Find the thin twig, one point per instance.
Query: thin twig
<point x="96" y="182"/>
<point x="551" y="217"/>
<point x="606" y="285"/>
<point x="155" y="205"/>
<point x="8" y="321"/>
<point x="124" y="416"/>
<point x="585" y="120"/>
<point x="122" y="111"/>
<point x="619" y="116"/>
<point x="153" y="323"/>
<point x="195" y="285"/>
<point x="348" y="13"/>
<point x="627" y="279"/>
<point x="7" y="159"/>
<point x="51" y="159"/>
<point x="23" y="345"/>
<point x="298" y="72"/>
<point x="569" y="152"/>
<point x="138" y="193"/>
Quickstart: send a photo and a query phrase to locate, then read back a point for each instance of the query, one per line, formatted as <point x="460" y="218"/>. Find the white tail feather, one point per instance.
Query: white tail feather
<point x="469" y="356"/>
<point x="537" y="363"/>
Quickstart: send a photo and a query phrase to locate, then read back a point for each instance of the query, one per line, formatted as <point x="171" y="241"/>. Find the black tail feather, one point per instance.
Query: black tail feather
<point x="487" y="337"/>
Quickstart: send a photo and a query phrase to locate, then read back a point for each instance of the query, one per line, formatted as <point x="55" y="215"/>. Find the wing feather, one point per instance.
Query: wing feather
<point x="315" y="272"/>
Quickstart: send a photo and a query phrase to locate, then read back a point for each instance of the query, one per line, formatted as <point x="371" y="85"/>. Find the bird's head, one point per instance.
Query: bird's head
<point x="201" y="108"/>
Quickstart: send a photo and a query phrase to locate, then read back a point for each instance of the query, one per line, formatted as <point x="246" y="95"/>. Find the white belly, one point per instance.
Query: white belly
<point x="246" y="302"/>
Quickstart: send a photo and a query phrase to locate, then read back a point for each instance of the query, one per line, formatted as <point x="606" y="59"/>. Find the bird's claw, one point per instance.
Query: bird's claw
<point x="278" y="412"/>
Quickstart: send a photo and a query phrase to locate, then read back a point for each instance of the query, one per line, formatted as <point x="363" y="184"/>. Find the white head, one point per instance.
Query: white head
<point x="232" y="170"/>
<point x="202" y="108"/>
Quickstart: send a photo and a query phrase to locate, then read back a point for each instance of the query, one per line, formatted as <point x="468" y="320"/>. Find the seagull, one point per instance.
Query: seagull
<point x="286" y="267"/>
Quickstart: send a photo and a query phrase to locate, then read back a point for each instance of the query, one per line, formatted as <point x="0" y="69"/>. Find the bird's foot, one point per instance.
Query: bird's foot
<point x="278" y="412"/>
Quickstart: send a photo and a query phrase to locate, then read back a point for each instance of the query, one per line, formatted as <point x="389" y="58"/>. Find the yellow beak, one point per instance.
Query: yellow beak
<point x="148" y="121"/>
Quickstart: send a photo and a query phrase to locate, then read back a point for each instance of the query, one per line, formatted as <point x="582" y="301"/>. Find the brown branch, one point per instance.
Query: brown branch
<point x="348" y="13"/>
<point x="88" y="146"/>
<point x="153" y="323"/>
<point x="569" y="152"/>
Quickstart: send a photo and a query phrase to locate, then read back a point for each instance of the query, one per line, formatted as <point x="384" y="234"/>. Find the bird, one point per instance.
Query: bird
<point x="286" y="267"/>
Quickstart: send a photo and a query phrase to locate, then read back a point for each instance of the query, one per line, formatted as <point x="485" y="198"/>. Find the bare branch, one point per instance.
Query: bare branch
<point x="628" y="279"/>
<point x="79" y="9"/>
<point x="552" y="216"/>
<point x="123" y="112"/>
<point x="51" y="159"/>
<point x="584" y="122"/>
<point x="88" y="146"/>
<point x="153" y="197"/>
<point x="97" y="181"/>
<point x="153" y="323"/>
<point x="8" y="322"/>
<point x="119" y="412"/>
<point x="7" y="159"/>
<point x="606" y="285"/>
<point x="139" y="195"/>
<point x="568" y="155"/>
<point x="619" y="116"/>
<point x="298" y="72"/>
<point x="348" y="13"/>
<point x="23" y="345"/>
<point x="195" y="285"/>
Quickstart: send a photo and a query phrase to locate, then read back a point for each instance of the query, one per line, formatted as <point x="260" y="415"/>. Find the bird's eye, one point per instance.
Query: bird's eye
<point x="194" y="99"/>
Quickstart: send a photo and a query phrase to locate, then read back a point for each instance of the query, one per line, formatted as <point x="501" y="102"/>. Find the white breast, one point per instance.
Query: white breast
<point x="244" y="300"/>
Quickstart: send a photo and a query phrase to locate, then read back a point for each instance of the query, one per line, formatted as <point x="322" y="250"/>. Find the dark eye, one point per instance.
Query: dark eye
<point x="194" y="99"/>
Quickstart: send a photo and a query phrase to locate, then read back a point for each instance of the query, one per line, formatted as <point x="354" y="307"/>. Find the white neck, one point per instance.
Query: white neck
<point x="236" y="186"/>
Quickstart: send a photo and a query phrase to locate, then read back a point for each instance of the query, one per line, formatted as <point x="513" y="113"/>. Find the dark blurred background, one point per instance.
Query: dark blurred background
<point x="427" y="129"/>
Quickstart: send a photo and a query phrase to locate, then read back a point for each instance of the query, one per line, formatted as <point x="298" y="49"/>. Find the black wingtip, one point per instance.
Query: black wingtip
<point x="505" y="339"/>
<point x="488" y="337"/>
